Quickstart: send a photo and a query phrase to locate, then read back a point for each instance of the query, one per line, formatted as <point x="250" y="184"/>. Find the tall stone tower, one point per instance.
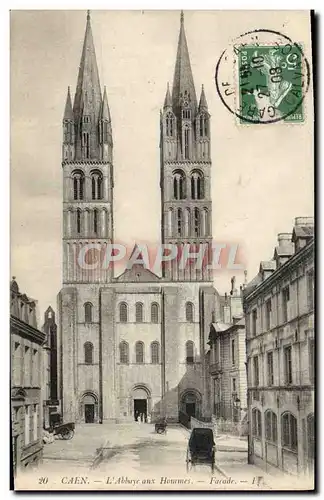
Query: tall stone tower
<point x="87" y="156"/>
<point x="185" y="171"/>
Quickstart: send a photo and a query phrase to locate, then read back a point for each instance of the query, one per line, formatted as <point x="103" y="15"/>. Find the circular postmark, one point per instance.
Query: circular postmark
<point x="263" y="77"/>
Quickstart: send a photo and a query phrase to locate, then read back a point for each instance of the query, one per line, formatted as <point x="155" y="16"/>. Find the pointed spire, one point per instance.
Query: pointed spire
<point x="203" y="101"/>
<point x="105" y="112"/>
<point x="167" y="100"/>
<point x="68" y="112"/>
<point x="88" y="79"/>
<point x="183" y="80"/>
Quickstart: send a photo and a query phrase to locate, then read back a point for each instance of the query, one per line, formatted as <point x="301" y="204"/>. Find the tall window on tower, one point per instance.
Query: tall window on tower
<point x="96" y="185"/>
<point x="179" y="185"/>
<point x="169" y="124"/>
<point x="86" y="145"/>
<point x="203" y="126"/>
<point x="78" y="184"/>
<point x="186" y="143"/>
<point x="95" y="221"/>
<point x="196" y="222"/>
<point x="179" y="222"/>
<point x="78" y="221"/>
<point x="105" y="131"/>
<point x="197" y="185"/>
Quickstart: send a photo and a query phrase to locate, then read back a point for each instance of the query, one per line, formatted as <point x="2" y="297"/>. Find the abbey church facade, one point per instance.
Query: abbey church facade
<point x="135" y="343"/>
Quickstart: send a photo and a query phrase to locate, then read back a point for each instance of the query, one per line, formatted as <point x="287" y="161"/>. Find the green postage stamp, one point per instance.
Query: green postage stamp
<point x="270" y="83"/>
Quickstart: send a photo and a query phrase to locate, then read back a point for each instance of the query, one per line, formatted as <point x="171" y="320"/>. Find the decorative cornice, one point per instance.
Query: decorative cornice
<point x="85" y="162"/>
<point x="26" y="331"/>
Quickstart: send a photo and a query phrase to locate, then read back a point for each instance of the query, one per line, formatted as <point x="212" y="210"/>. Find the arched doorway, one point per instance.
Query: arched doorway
<point x="141" y="402"/>
<point x="190" y="403"/>
<point x="89" y="408"/>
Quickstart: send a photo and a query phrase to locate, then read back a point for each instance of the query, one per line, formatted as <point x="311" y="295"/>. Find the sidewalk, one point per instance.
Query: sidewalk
<point x="225" y="442"/>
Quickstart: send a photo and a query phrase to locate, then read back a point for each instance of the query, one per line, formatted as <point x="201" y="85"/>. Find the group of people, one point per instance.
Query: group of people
<point x="142" y="417"/>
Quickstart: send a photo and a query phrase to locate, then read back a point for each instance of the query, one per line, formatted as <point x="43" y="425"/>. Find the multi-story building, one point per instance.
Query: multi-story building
<point x="26" y="380"/>
<point x="279" y="308"/>
<point x="50" y="400"/>
<point x="134" y="343"/>
<point x="227" y="361"/>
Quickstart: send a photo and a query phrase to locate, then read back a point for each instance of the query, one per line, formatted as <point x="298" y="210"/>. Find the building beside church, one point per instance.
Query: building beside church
<point x="279" y="309"/>
<point x="26" y="380"/>
<point x="134" y="343"/>
<point x="227" y="363"/>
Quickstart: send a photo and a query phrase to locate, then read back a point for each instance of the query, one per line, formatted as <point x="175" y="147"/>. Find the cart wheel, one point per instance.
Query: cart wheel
<point x="160" y="431"/>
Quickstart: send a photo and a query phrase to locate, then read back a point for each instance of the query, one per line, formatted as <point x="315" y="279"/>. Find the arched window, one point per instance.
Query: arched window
<point x="139" y="352"/>
<point x="88" y="353"/>
<point x="190" y="352"/>
<point x="95" y="221"/>
<point x="169" y="122"/>
<point x="96" y="185"/>
<point x="179" y="187"/>
<point x="154" y="313"/>
<point x="124" y="353"/>
<point x="256" y="423"/>
<point x="271" y="433"/>
<point x="88" y="312"/>
<point x="123" y="313"/>
<point x="310" y="437"/>
<point x="78" y="184"/>
<point x="179" y="222"/>
<point x="139" y="312"/>
<point x="196" y="222"/>
<point x="155" y="353"/>
<point x="197" y="185"/>
<point x="78" y="221"/>
<point x="289" y="431"/>
<point x="189" y="312"/>
<point x="186" y="114"/>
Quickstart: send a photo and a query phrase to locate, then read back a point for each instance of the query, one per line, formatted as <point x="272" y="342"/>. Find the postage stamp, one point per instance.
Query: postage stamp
<point x="270" y="81"/>
<point x="263" y="77"/>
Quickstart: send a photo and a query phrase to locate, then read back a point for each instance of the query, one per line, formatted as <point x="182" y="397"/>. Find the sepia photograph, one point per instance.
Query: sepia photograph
<point x="162" y="306"/>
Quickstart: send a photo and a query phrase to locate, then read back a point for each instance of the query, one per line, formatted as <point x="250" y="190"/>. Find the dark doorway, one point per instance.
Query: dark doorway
<point x="140" y="409"/>
<point x="89" y="414"/>
<point x="191" y="409"/>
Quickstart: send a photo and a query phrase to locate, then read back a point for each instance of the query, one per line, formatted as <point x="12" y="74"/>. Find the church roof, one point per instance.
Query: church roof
<point x="183" y="80"/>
<point x="88" y="92"/>
<point x="138" y="272"/>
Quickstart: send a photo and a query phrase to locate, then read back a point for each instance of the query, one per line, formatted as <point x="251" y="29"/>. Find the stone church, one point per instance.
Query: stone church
<point x="135" y="343"/>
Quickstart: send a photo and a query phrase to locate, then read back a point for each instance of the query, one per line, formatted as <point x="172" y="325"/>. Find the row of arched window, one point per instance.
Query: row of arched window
<point x="155" y="352"/>
<point x="202" y="123"/>
<point x="79" y="182"/>
<point x="289" y="433"/>
<point x="154" y="316"/>
<point x="188" y="222"/>
<point x="196" y="185"/>
<point x="139" y="312"/>
<point x="86" y="222"/>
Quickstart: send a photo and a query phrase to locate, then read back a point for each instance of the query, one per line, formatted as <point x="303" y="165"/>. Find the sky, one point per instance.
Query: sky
<point x="262" y="176"/>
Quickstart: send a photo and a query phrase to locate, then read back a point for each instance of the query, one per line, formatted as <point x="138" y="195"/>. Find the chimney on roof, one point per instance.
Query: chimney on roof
<point x="303" y="231"/>
<point x="284" y="239"/>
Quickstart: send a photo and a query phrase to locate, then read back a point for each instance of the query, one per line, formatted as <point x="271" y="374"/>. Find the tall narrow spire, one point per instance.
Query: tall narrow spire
<point x="183" y="84"/>
<point x="203" y="101"/>
<point x="68" y="112"/>
<point x="105" y="112"/>
<point x="88" y="83"/>
<point x="167" y="100"/>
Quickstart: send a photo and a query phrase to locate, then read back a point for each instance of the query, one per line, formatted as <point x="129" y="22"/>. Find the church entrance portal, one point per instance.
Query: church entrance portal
<point x="140" y="396"/>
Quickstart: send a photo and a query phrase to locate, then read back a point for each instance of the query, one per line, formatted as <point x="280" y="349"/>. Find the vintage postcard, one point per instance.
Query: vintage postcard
<point x="162" y="250"/>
